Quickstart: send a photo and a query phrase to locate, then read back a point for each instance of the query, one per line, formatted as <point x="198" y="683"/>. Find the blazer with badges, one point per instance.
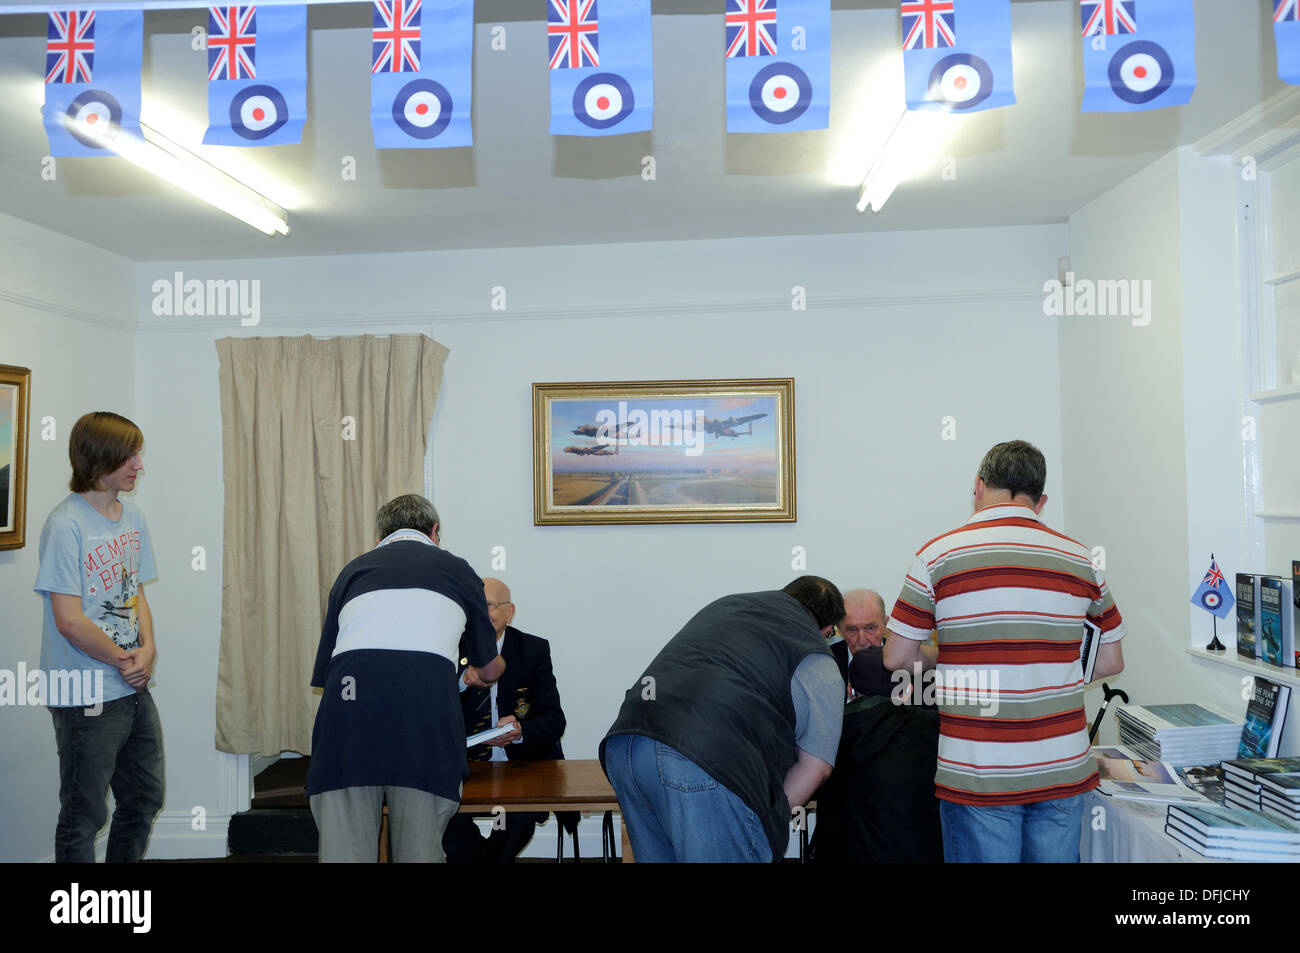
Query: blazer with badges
<point x="526" y="690"/>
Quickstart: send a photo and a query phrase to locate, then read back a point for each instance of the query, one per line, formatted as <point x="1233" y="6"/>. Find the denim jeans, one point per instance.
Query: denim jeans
<point x="120" y="747"/>
<point x="675" y="811"/>
<point x="1042" y="832"/>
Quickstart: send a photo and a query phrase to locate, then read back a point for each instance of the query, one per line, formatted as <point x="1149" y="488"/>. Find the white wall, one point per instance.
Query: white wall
<point x="901" y="330"/>
<point x="1151" y="421"/>
<point x="66" y="312"/>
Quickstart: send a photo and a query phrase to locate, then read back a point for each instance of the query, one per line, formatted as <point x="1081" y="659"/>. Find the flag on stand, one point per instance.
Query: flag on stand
<point x="1137" y="54"/>
<point x="92" y="79"/>
<point x="422" y="73"/>
<point x="602" y="74"/>
<point x="778" y="55"/>
<point x="1286" y="31"/>
<point x="1214" y="595"/>
<point x="257" y="75"/>
<point x="957" y="54"/>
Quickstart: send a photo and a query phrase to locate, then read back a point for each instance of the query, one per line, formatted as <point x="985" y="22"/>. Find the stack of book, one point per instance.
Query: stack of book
<point x="1281" y="795"/>
<point x="1233" y="834"/>
<point x="1243" y="779"/>
<point x="1179" y="734"/>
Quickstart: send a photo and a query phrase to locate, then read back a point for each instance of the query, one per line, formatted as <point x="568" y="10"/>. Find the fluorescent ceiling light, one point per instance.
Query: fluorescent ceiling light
<point x="173" y="163"/>
<point x="912" y="146"/>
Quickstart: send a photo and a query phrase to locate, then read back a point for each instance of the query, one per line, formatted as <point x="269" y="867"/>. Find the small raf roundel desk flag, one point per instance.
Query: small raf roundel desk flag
<point x="1214" y="595"/>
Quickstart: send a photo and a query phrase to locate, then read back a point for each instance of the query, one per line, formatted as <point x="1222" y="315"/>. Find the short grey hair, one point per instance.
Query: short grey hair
<point x="411" y="511"/>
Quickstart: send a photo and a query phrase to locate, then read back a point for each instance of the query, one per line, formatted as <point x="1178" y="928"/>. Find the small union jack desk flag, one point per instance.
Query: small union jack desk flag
<point x="957" y="54"/>
<point x="1214" y="595"/>
<point x="257" y="75"/>
<point x="1108" y="17"/>
<point x="422" y="66"/>
<point x="1137" y="55"/>
<point x="92" y="80"/>
<point x="778" y="58"/>
<point x="1286" y="31"/>
<point x="602" y="74"/>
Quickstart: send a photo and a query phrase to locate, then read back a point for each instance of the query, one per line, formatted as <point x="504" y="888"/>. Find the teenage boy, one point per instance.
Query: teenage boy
<point x="97" y="636"/>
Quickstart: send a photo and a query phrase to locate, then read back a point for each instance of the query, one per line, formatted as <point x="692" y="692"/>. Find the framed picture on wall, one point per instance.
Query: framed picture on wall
<point x="664" y="452"/>
<point x="14" y="384"/>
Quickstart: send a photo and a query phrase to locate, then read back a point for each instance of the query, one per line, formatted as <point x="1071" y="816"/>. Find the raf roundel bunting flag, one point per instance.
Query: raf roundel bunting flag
<point x="421" y="74"/>
<point x="92" y="80"/>
<point x="778" y="56"/>
<point x="957" y="54"/>
<point x="602" y="75"/>
<point x="1214" y="595"/>
<point x="1137" y="54"/>
<point x="257" y="75"/>
<point x="1286" y="31"/>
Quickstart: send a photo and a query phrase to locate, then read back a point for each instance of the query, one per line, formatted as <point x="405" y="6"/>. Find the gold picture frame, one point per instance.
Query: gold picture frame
<point x="718" y="451"/>
<point x="15" y="384"/>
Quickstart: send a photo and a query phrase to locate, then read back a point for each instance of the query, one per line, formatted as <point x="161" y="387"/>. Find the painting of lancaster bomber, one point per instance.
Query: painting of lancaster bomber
<point x="664" y="452"/>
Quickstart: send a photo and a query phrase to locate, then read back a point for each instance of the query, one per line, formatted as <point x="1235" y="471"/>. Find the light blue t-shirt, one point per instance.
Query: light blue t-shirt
<point x="105" y="562"/>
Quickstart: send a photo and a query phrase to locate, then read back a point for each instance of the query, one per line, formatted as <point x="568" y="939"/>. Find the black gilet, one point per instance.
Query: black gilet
<point x="720" y="695"/>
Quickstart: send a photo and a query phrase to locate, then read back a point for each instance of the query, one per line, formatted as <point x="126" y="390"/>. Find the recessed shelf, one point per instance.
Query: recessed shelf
<point x="1285" y="676"/>
<point x="1281" y="515"/>
<point x="1283" y="278"/>
<point x="1280" y="393"/>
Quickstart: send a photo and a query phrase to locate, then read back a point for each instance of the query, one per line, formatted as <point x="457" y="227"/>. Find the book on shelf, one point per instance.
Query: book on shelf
<point x="1295" y="609"/>
<point x="1247" y="614"/>
<point x="1276" y="636"/>
<point x="1261" y="735"/>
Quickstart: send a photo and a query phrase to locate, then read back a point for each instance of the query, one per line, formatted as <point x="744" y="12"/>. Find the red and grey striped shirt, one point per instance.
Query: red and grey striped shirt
<point x="1008" y="597"/>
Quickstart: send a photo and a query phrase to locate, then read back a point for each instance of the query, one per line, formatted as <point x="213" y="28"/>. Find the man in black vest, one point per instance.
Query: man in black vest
<point x="735" y="723"/>
<point x="526" y="697"/>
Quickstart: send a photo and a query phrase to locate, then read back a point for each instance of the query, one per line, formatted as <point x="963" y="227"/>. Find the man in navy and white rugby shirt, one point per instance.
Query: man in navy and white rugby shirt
<point x="389" y="726"/>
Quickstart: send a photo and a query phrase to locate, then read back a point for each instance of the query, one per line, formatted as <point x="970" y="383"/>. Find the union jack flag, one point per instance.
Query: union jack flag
<point x="1213" y="577"/>
<point x="750" y="25"/>
<point x="1284" y="10"/>
<point x="70" y="46"/>
<point x="571" y="33"/>
<point x="928" y="24"/>
<point x="396" y="46"/>
<point x="232" y="39"/>
<point x="1108" y="17"/>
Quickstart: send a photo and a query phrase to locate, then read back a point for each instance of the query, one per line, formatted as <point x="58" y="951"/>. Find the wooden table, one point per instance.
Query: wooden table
<point x="578" y="785"/>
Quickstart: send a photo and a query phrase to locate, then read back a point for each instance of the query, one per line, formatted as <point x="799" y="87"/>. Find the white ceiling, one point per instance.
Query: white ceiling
<point x="1035" y="162"/>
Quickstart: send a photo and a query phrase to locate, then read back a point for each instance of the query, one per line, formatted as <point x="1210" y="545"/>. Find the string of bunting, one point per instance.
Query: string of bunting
<point x="1137" y="55"/>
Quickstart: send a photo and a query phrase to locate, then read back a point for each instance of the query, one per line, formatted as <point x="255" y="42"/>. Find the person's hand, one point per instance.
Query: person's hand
<point x="137" y="666"/>
<point x="473" y="679"/>
<point x="509" y="738"/>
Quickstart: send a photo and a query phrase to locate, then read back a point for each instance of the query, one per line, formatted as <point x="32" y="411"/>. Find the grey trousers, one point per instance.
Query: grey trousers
<point x="348" y="820"/>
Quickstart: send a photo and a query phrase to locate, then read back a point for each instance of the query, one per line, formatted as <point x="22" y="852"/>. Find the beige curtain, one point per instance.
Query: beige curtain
<point x="316" y="435"/>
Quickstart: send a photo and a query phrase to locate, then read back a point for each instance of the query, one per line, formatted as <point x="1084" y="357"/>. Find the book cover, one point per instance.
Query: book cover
<point x="1282" y="785"/>
<point x="1268" y="638"/>
<point x="1261" y="735"/>
<point x="1247" y="620"/>
<point x="1295" y="610"/>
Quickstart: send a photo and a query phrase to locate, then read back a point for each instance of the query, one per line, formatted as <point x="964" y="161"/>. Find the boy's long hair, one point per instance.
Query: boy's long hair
<point x="101" y="442"/>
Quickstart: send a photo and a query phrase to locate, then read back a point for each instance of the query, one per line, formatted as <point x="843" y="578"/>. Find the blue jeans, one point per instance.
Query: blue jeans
<point x="120" y="747"/>
<point x="675" y="811"/>
<point x="1038" y="833"/>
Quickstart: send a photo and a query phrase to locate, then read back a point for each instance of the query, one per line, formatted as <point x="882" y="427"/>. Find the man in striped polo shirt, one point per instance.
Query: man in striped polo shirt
<point x="1008" y="597"/>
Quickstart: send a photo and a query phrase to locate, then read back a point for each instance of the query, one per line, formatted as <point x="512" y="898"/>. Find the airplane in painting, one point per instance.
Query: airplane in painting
<point x="600" y="451"/>
<point x="598" y="430"/>
<point x="727" y="428"/>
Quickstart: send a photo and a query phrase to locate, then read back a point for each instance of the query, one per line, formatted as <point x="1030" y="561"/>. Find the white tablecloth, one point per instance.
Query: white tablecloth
<point x="1125" y="831"/>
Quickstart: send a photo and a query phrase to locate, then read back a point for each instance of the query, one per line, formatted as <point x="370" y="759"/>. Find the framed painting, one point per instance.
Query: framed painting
<point x="14" y="385"/>
<point x="664" y="452"/>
